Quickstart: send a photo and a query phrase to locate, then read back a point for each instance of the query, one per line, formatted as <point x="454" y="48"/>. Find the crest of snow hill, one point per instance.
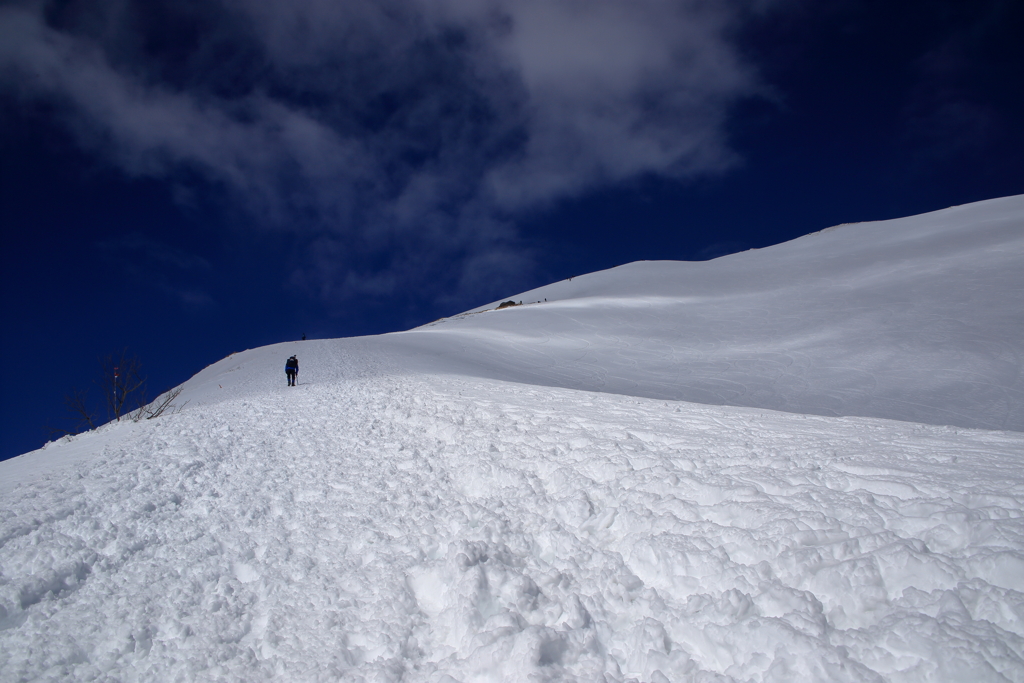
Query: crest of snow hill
<point x="661" y="472"/>
<point x="918" y="319"/>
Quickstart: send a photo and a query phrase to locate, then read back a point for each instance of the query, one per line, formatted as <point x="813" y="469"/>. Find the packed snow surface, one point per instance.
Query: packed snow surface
<point x="604" y="486"/>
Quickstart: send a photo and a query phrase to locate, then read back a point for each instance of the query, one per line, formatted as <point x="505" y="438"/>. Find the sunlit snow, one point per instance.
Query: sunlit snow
<point x="796" y="464"/>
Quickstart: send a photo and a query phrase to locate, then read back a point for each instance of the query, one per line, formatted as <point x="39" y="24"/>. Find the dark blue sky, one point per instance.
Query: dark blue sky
<point x="191" y="179"/>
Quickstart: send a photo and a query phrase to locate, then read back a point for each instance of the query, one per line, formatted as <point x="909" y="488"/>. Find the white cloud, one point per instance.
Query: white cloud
<point x="413" y="128"/>
<point x="614" y="90"/>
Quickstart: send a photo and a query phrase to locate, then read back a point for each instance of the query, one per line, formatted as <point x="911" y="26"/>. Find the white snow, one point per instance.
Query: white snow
<point x="526" y="494"/>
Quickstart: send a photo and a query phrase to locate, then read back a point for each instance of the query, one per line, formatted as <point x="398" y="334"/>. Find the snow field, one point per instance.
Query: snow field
<point x="523" y="495"/>
<point x="916" y="319"/>
<point x="401" y="527"/>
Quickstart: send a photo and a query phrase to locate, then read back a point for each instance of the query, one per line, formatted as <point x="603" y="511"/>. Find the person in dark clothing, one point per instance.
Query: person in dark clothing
<point x="291" y="370"/>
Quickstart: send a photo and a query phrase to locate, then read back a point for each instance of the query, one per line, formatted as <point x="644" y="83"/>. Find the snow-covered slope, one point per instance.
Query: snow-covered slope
<point x="446" y="504"/>
<point x="918" y="319"/>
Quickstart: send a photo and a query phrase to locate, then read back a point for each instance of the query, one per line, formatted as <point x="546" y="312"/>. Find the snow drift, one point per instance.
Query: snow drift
<point x="601" y="486"/>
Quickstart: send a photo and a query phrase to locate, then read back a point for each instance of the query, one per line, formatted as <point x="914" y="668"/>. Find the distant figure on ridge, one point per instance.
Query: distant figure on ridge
<point x="303" y="336"/>
<point x="291" y="370"/>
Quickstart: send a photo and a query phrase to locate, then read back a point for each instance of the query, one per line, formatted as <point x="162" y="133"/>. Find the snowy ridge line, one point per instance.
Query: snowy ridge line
<point x="582" y="302"/>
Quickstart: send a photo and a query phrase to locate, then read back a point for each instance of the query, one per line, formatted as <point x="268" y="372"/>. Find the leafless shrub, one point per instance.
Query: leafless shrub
<point x="123" y="388"/>
<point x="77" y="404"/>
<point x="163" y="404"/>
<point x="124" y="385"/>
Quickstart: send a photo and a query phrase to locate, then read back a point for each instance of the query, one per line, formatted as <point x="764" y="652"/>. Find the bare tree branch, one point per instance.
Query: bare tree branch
<point x="84" y="418"/>
<point x="123" y="388"/>
<point x="158" y="407"/>
<point x="77" y="403"/>
<point x="123" y="384"/>
<point x="162" y="404"/>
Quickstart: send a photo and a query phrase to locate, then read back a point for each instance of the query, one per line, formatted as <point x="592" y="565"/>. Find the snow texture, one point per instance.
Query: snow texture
<point x="797" y="464"/>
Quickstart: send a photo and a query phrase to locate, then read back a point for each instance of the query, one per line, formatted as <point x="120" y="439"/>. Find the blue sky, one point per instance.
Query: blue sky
<point x="191" y="179"/>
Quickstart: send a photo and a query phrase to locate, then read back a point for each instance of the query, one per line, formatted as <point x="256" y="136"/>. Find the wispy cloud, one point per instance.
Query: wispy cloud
<point x="948" y="117"/>
<point x="137" y="247"/>
<point x="402" y="138"/>
<point x="156" y="267"/>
